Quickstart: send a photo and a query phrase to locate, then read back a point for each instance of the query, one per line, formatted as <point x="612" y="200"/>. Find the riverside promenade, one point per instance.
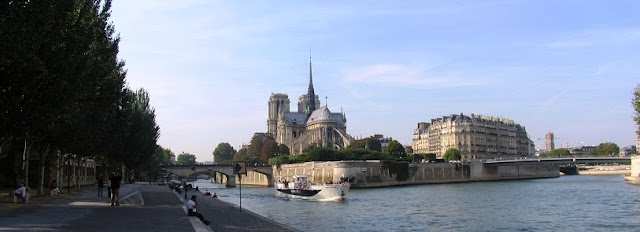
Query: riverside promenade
<point x="142" y="208"/>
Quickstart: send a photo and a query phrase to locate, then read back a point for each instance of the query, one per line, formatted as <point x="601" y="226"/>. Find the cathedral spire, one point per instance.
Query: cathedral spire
<point x="311" y="95"/>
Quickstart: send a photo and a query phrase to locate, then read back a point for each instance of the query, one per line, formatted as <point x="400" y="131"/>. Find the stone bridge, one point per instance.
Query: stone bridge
<point x="192" y="171"/>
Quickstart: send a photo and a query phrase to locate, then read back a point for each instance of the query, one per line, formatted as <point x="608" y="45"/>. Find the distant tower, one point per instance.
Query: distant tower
<point x="550" y="143"/>
<point x="278" y="103"/>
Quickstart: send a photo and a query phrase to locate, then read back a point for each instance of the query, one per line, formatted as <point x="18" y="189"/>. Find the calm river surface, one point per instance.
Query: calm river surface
<point x="567" y="203"/>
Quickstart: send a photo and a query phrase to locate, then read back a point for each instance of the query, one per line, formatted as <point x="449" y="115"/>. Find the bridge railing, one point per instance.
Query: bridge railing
<point x="577" y="160"/>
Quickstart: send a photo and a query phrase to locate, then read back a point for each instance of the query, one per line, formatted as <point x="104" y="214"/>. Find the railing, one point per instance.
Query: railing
<point x="576" y="160"/>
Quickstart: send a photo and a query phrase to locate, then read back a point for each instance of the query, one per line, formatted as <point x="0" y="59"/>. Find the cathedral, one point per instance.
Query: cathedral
<point x="312" y="124"/>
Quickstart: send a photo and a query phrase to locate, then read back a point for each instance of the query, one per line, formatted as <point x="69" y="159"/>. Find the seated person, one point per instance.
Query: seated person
<point x="215" y="195"/>
<point x="192" y="208"/>
<point x="22" y="193"/>
<point x="207" y="193"/>
<point x="54" y="188"/>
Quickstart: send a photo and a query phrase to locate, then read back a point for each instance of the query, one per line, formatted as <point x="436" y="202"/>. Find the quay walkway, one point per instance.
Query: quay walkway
<point x="142" y="208"/>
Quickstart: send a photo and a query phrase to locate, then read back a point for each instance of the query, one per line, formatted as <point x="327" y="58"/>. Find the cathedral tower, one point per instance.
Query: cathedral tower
<point x="278" y="103"/>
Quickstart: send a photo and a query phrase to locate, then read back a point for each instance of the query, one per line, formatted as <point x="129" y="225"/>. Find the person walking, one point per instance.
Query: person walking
<point x="109" y="189"/>
<point x="192" y="206"/>
<point x="115" y="179"/>
<point x="100" y="181"/>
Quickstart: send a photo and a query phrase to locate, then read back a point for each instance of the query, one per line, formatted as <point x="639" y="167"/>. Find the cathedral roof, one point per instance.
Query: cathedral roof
<point x="297" y="117"/>
<point x="323" y="114"/>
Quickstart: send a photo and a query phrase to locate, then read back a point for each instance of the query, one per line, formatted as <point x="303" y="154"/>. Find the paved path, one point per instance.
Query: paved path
<point x="161" y="211"/>
<point x="149" y="208"/>
<point x="228" y="217"/>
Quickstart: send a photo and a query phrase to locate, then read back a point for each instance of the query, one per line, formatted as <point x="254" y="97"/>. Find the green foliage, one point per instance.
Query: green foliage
<point x="557" y="153"/>
<point x="163" y="155"/>
<point x="606" y="149"/>
<point x="452" y="154"/>
<point x="279" y="160"/>
<point x="635" y="102"/>
<point x="186" y="159"/>
<point x="361" y="154"/>
<point x="323" y="154"/>
<point x="283" y="150"/>
<point x="372" y="144"/>
<point x="63" y="87"/>
<point x="223" y="153"/>
<point x="395" y="150"/>
<point x="241" y="155"/>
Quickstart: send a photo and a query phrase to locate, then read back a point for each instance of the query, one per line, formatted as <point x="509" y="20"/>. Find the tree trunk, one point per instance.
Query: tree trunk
<point x="25" y="157"/>
<point x="43" y="157"/>
<point x="78" y="174"/>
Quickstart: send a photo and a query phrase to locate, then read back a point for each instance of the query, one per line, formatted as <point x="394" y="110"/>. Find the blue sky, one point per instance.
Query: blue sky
<point x="563" y="66"/>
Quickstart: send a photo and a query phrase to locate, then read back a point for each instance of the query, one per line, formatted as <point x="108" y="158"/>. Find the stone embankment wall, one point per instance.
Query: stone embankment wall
<point x="366" y="174"/>
<point x="634" y="178"/>
<point x="252" y="178"/>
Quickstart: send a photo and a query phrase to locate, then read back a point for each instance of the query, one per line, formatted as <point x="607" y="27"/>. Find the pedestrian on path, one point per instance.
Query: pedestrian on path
<point x="54" y="188"/>
<point x="192" y="207"/>
<point x="100" y="181"/>
<point x="115" y="179"/>
<point x="22" y="193"/>
<point x="109" y="189"/>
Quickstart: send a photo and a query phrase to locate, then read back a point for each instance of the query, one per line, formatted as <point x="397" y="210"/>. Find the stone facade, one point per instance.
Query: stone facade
<point x="310" y="125"/>
<point x="476" y="136"/>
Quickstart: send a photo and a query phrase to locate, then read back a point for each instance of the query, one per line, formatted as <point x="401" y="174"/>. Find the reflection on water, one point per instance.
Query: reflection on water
<point x="568" y="203"/>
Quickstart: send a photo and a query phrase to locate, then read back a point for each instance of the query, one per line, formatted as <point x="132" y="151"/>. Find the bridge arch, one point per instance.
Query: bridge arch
<point x="191" y="171"/>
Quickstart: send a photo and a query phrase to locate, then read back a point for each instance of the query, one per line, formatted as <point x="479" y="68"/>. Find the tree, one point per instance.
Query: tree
<point x="322" y="154"/>
<point x="164" y="155"/>
<point x="606" y="149"/>
<point x="452" y="154"/>
<point x="269" y="149"/>
<point x="556" y="153"/>
<point x="360" y="143"/>
<point x="223" y="153"/>
<point x="186" y="159"/>
<point x="370" y="143"/>
<point x="374" y="144"/>
<point x="61" y="79"/>
<point x="636" y="106"/>
<point x="395" y="150"/>
<point x="241" y="155"/>
<point x="255" y="147"/>
<point x="283" y="150"/>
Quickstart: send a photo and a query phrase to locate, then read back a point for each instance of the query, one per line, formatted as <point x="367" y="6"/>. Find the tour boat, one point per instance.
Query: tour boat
<point x="301" y="188"/>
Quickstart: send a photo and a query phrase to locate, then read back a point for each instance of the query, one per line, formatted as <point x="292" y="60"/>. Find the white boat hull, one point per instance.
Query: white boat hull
<point x="328" y="192"/>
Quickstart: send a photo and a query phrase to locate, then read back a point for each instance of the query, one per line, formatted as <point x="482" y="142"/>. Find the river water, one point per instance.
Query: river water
<point x="567" y="203"/>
